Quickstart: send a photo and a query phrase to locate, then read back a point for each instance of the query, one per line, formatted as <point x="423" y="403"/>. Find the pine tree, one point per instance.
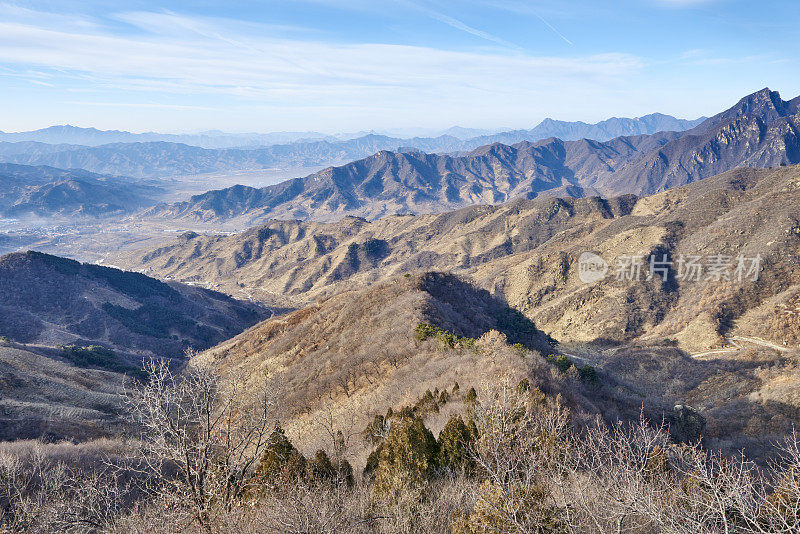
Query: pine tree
<point x="454" y="443"/>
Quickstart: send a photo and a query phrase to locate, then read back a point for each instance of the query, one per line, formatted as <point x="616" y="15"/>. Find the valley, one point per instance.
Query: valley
<point x="634" y="293"/>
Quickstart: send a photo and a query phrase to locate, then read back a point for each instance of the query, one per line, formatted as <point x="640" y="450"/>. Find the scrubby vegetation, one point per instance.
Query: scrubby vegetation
<point x="514" y="461"/>
<point x="586" y="372"/>
<point x="447" y="338"/>
<point x="100" y="357"/>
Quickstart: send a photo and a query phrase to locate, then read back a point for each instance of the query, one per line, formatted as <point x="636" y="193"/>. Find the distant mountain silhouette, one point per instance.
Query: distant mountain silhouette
<point x="67" y="134"/>
<point x="158" y="155"/>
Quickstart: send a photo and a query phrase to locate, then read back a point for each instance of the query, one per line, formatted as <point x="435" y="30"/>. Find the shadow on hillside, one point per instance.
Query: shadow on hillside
<point x="469" y="311"/>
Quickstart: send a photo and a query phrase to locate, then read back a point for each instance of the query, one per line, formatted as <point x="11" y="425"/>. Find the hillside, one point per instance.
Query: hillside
<point x="47" y="300"/>
<point x="360" y="353"/>
<point x="527" y="250"/>
<point x="44" y="395"/>
<point x="760" y="131"/>
<point x="46" y="191"/>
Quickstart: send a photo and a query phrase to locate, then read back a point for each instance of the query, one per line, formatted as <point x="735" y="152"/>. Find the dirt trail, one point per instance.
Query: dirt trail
<point x="737" y="347"/>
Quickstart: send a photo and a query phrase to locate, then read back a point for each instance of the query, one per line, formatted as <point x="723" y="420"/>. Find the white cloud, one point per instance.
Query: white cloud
<point x="191" y="55"/>
<point x="181" y="71"/>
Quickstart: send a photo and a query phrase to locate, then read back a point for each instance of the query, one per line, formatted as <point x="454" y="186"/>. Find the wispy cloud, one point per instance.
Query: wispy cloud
<point x="459" y="25"/>
<point x="684" y="3"/>
<point x="552" y="28"/>
<point x="525" y="8"/>
<point x="205" y="57"/>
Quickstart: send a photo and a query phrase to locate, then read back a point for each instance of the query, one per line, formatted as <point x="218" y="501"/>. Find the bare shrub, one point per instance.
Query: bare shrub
<point x="42" y="495"/>
<point x="206" y="430"/>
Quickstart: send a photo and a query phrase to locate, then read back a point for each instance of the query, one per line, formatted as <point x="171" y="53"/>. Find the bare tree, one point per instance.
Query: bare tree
<point x="206" y="429"/>
<point x="517" y="437"/>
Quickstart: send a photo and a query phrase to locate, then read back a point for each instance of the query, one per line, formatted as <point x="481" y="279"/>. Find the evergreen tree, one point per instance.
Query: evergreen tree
<point x="281" y="462"/>
<point x="407" y="459"/>
<point x="454" y="442"/>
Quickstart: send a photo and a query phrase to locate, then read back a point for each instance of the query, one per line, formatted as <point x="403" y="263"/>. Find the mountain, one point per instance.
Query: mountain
<point x="48" y="300"/>
<point x="411" y="182"/>
<point x="399" y="343"/>
<point x="765" y="104"/>
<point x="72" y="335"/>
<point x="361" y="352"/>
<point x="601" y="131"/>
<point x="73" y="135"/>
<point x="528" y="250"/>
<point x="46" y="191"/>
<point x="152" y="155"/>
<point x="722" y="343"/>
<point x="33" y="149"/>
<point x="212" y="139"/>
<point x="760" y="131"/>
<point x="161" y="159"/>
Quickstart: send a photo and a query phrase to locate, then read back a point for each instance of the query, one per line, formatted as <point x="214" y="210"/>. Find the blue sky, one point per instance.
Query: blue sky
<point x="347" y="65"/>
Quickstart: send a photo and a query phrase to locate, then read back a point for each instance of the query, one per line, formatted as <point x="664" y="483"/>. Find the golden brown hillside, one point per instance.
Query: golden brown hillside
<point x="528" y="250"/>
<point x="361" y="352"/>
<point x="339" y="363"/>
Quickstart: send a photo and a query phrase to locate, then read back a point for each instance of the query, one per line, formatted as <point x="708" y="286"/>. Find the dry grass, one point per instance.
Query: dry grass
<point x="528" y="251"/>
<point x="355" y="355"/>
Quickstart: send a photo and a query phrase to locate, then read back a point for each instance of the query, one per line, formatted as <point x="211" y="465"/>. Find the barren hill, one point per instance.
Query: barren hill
<point x="761" y="131"/>
<point x="527" y="250"/>
<point x="361" y="352"/>
<point x="406" y="342"/>
<point x="47" y="300"/>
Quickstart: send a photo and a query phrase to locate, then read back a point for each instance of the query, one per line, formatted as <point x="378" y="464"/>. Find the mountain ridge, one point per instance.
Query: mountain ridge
<point x="42" y="191"/>
<point x="50" y="300"/>
<point x="527" y="250"/>
<point x="757" y="131"/>
<point x="169" y="156"/>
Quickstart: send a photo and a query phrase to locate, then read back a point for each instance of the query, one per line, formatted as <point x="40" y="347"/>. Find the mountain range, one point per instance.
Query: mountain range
<point x="528" y="251"/>
<point x="603" y="130"/>
<point x="390" y="305"/>
<point x="761" y="130"/>
<point x="157" y="155"/>
<point x="384" y="347"/>
<point x="723" y="344"/>
<point x="73" y="135"/>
